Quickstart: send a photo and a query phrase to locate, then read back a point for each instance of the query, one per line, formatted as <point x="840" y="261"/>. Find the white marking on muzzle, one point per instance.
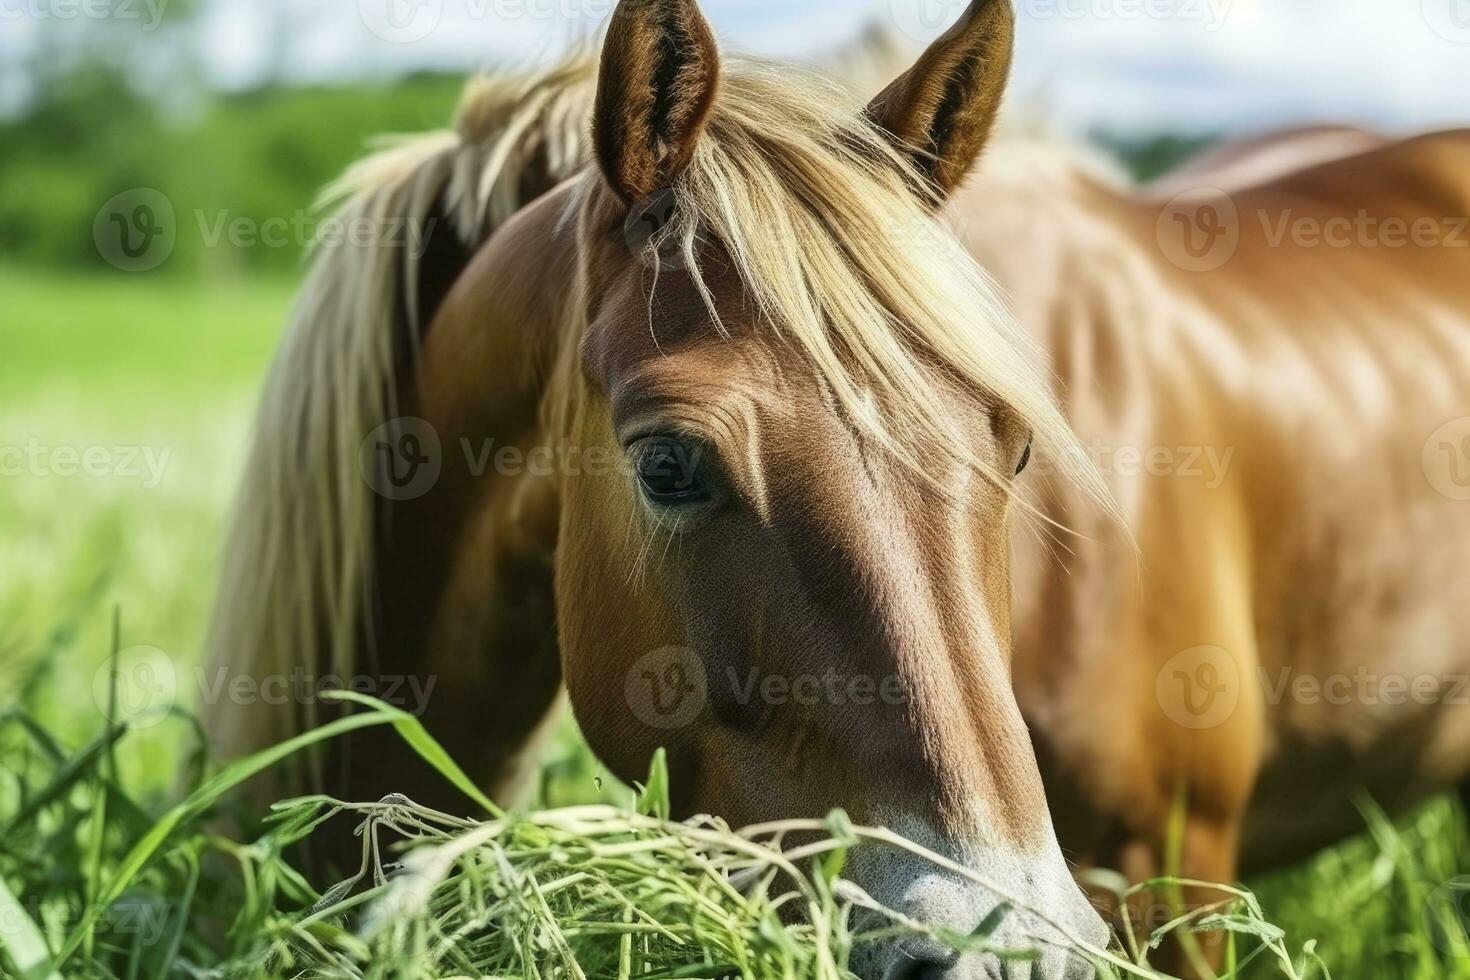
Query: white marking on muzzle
<point x="1047" y="908"/>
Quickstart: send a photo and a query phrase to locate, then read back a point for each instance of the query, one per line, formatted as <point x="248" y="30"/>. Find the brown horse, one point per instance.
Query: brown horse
<point x="710" y="422"/>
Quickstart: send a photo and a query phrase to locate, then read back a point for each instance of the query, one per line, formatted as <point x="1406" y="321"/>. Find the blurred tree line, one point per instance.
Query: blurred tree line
<point x="109" y="107"/>
<point x="257" y="156"/>
<point x="1147" y="157"/>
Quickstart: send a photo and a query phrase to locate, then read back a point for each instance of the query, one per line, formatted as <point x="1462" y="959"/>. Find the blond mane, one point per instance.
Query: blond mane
<point x="296" y="589"/>
<point x="816" y="208"/>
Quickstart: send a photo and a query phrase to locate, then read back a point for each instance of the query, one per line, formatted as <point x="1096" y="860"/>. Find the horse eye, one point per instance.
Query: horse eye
<point x="1025" y="459"/>
<point x="669" y="472"/>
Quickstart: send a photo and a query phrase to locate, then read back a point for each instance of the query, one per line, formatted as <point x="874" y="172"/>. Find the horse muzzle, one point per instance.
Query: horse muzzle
<point x="921" y="963"/>
<point x="1048" y="936"/>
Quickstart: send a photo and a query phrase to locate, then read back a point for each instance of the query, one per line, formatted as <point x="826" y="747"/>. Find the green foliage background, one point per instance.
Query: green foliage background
<point x="256" y="156"/>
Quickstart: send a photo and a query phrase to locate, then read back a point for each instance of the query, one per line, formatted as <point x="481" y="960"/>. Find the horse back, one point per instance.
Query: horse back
<point x="1348" y="302"/>
<point x="1250" y="162"/>
<point x="1282" y="405"/>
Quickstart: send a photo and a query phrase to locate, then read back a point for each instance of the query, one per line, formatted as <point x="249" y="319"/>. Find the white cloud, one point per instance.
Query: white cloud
<point x="1124" y="65"/>
<point x="1269" y="63"/>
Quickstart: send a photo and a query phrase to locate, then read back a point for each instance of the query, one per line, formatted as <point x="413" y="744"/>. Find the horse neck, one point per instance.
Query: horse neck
<point x="1056" y="235"/>
<point x="1062" y="239"/>
<point x="482" y="381"/>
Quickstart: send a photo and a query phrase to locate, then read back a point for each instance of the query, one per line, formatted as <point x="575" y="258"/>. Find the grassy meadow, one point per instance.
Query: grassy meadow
<point x="98" y="828"/>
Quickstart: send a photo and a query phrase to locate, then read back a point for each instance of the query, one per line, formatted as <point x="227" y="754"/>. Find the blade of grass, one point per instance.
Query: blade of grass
<point x="175" y="939"/>
<point x="106" y="772"/>
<point x="417" y="736"/>
<point x="22" y="941"/>
<point x="39" y="735"/>
<point x="68" y="777"/>
<point x="204" y="797"/>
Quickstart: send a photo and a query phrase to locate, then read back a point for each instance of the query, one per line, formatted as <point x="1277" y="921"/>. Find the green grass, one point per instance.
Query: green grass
<point x="125" y="366"/>
<point x="105" y="852"/>
<point x="159" y="340"/>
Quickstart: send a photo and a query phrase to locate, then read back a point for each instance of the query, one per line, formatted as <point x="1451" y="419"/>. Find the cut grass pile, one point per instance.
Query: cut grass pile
<point x="95" y="882"/>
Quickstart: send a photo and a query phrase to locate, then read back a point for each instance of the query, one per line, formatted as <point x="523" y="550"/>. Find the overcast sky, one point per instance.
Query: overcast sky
<point x="1125" y="65"/>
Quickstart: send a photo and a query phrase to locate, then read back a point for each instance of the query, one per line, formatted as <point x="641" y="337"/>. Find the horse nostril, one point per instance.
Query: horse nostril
<point x="923" y="959"/>
<point x="935" y="972"/>
<point x="917" y="970"/>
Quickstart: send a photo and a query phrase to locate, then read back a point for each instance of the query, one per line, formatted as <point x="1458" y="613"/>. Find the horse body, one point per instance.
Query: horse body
<point x="1268" y="425"/>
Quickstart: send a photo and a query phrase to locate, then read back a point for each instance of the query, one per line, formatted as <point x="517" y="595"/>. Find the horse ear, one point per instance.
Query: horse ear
<point x="660" y="70"/>
<point x="942" y="110"/>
